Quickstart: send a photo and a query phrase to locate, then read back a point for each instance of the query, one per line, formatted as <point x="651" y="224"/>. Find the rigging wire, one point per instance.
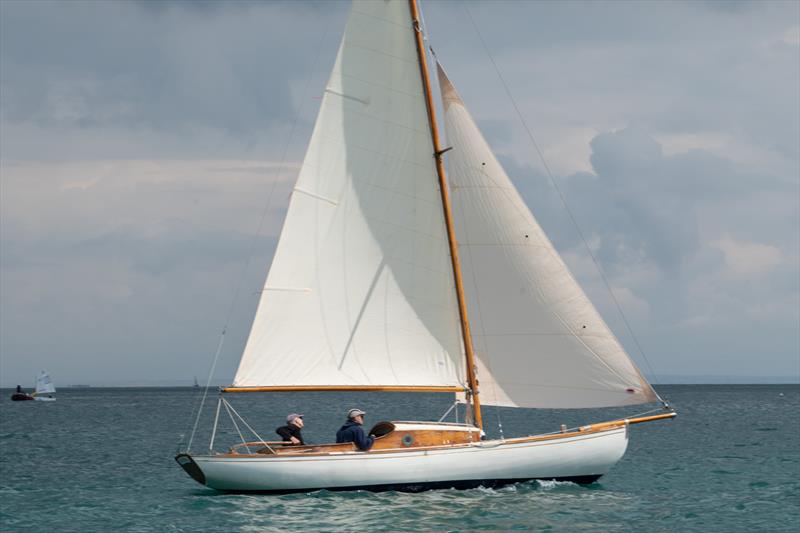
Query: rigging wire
<point x="228" y="408"/>
<point x="448" y="411"/>
<point x="205" y="390"/>
<point x="214" y="430"/>
<point x="564" y="201"/>
<point x="253" y="431"/>
<point x="279" y="171"/>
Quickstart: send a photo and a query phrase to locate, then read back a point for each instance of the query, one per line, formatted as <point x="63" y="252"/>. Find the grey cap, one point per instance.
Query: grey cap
<point x="352" y="413"/>
<point x="290" y="418"/>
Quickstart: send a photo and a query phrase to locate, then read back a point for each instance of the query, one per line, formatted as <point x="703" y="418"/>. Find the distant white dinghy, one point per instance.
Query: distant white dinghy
<point x="44" y="388"/>
<point x="365" y="293"/>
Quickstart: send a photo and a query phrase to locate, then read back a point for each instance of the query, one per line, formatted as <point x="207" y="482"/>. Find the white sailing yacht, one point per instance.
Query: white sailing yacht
<point x="391" y="276"/>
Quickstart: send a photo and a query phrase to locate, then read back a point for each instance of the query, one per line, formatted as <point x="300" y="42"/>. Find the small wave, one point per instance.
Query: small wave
<point x="497" y="490"/>
<point x="552" y="484"/>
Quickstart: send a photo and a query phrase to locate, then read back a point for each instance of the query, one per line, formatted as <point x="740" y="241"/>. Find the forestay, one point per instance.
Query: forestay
<point x="361" y="291"/>
<point x="539" y="341"/>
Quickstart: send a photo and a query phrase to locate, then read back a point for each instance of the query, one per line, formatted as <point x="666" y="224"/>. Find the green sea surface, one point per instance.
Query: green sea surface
<point x="101" y="459"/>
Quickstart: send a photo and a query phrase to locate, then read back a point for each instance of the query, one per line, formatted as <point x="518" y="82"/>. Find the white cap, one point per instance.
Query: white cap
<point x="352" y="413"/>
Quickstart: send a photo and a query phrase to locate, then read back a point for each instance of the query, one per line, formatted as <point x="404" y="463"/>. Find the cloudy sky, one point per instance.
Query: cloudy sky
<point x="141" y="143"/>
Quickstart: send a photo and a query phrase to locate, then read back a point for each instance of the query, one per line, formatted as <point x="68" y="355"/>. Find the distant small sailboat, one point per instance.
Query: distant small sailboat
<point x="196" y="384"/>
<point x="44" y="386"/>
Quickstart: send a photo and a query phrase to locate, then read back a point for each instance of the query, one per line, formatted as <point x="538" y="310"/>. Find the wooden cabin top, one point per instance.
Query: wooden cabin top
<point x="388" y="436"/>
<point x="401" y="435"/>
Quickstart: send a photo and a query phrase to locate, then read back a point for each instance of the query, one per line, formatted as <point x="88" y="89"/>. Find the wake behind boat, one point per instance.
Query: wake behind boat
<point x="366" y="292"/>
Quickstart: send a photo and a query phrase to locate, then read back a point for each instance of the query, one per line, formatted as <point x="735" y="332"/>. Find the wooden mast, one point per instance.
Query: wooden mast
<point x="448" y="217"/>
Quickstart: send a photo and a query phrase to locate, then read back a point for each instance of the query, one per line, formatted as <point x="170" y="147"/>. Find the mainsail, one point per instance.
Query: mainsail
<point x="361" y="290"/>
<point x="539" y="341"/>
<point x="44" y="385"/>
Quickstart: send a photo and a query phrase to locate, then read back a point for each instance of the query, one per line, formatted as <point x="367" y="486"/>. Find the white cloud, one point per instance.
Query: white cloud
<point x="748" y="259"/>
<point x="748" y="157"/>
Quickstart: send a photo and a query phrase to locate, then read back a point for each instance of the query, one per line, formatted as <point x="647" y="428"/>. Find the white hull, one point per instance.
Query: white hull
<point x="44" y="399"/>
<point x="581" y="458"/>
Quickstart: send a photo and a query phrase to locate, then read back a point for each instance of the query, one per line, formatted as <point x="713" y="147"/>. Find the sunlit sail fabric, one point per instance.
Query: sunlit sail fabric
<point x="539" y="341"/>
<point x="361" y="291"/>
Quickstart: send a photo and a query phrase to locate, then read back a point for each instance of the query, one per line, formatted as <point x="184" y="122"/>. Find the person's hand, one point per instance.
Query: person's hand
<point x="294" y="440"/>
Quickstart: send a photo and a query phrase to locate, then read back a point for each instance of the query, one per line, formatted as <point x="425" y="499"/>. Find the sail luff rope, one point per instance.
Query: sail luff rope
<point x="564" y="203"/>
<point x="279" y="170"/>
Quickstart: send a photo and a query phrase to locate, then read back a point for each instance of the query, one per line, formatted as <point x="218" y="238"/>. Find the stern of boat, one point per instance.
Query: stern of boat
<point x="190" y="467"/>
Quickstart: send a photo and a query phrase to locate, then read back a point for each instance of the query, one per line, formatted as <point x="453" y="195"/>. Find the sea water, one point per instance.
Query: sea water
<point x="102" y="460"/>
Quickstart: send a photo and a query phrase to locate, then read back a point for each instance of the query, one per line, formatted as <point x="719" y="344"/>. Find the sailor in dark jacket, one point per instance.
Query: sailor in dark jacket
<point x="352" y="431"/>
<point x="291" y="431"/>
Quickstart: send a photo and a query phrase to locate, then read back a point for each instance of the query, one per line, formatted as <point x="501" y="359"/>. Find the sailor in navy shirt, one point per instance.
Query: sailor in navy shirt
<point x="291" y="431"/>
<point x="352" y="431"/>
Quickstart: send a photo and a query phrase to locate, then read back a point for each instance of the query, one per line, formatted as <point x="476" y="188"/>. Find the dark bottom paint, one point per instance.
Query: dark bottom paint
<point x="429" y="485"/>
